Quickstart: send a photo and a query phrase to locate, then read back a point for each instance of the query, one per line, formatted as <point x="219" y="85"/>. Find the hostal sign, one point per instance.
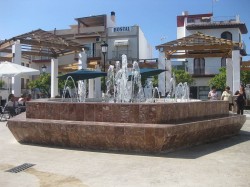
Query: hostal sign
<point x="121" y="29"/>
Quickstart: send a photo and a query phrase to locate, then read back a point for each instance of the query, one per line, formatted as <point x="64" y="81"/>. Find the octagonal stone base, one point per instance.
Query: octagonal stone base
<point x="149" y="135"/>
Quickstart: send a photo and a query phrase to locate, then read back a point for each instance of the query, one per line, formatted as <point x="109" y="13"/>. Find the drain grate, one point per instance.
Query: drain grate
<point x="20" y="168"/>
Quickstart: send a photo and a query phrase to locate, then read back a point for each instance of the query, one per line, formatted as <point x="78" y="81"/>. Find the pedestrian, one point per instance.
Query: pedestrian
<point x="213" y="95"/>
<point x="240" y="99"/>
<point x="228" y="96"/>
<point x="12" y="105"/>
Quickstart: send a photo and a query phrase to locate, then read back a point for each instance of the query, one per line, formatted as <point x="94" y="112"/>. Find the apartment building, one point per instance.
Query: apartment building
<point x="203" y="69"/>
<point x="128" y="40"/>
<point x="92" y="31"/>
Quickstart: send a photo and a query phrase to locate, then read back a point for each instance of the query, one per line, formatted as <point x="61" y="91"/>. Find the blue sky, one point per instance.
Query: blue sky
<point x="157" y="18"/>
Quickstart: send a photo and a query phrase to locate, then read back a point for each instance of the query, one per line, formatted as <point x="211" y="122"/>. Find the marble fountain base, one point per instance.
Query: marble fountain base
<point x="136" y="127"/>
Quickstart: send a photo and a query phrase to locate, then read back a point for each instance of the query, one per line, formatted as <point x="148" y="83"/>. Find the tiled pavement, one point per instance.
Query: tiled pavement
<point x="221" y="163"/>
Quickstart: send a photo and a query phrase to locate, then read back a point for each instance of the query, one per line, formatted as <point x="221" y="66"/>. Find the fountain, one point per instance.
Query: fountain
<point x="123" y="124"/>
<point x="125" y="85"/>
<point x="66" y="89"/>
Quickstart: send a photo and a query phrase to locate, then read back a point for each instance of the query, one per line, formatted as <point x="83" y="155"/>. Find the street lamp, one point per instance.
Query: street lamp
<point x="104" y="47"/>
<point x="44" y="68"/>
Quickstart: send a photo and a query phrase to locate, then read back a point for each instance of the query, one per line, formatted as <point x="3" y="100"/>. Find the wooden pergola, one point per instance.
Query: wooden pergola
<point x="198" y="45"/>
<point x="39" y="43"/>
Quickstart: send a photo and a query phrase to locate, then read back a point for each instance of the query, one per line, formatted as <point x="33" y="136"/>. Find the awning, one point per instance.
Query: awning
<point x="120" y="42"/>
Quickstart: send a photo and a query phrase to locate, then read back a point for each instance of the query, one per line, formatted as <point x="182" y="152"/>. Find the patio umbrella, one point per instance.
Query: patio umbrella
<point x="8" y="69"/>
<point x="83" y="74"/>
<point x="148" y="72"/>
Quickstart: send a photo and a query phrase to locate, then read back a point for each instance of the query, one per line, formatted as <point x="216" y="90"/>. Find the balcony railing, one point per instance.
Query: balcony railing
<point x="220" y="19"/>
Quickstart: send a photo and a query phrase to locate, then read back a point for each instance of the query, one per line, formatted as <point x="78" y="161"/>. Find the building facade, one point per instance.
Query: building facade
<point x="203" y="69"/>
<point x="92" y="31"/>
<point x="128" y="40"/>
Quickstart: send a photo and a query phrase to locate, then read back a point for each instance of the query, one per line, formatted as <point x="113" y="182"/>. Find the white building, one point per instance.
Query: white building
<point x="203" y="69"/>
<point x="128" y="40"/>
<point x="93" y="30"/>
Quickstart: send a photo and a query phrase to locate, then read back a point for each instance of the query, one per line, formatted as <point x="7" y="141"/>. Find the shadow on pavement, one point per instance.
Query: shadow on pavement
<point x="185" y="153"/>
<point x="208" y="148"/>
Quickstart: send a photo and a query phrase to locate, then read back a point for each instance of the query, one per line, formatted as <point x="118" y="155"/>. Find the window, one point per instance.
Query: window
<point x="22" y="83"/>
<point x="227" y="35"/>
<point x="203" y="92"/>
<point x="223" y="62"/>
<point x="199" y="66"/>
<point x="27" y="82"/>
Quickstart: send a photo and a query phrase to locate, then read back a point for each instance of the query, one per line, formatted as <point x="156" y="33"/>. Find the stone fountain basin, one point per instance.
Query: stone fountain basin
<point x="141" y="127"/>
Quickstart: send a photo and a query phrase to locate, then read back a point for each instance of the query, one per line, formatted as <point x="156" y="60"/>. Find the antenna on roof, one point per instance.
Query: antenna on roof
<point x="213" y="1"/>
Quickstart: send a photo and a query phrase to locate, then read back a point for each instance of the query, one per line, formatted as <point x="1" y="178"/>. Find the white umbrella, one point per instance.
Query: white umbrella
<point x="8" y="69"/>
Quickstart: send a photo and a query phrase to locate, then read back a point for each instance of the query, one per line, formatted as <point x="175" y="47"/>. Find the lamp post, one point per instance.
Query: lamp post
<point x="104" y="47"/>
<point x="44" y="68"/>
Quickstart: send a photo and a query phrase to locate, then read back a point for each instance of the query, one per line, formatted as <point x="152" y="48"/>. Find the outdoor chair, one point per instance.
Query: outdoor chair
<point x="4" y="113"/>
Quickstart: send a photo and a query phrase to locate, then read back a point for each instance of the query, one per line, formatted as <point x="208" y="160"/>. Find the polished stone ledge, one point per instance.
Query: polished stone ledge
<point x="128" y="137"/>
<point x="156" y="113"/>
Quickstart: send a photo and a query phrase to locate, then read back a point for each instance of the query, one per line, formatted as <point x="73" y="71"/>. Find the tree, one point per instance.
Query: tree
<point x="42" y="83"/>
<point x="2" y="83"/>
<point x="219" y="80"/>
<point x="183" y="76"/>
<point x="245" y="77"/>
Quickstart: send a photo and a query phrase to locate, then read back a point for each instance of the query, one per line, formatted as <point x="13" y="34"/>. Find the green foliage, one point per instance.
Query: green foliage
<point x="155" y="81"/>
<point x="2" y="83"/>
<point x="219" y="80"/>
<point x="103" y="83"/>
<point x="42" y="83"/>
<point x="245" y="77"/>
<point x="183" y="76"/>
<point x="70" y="83"/>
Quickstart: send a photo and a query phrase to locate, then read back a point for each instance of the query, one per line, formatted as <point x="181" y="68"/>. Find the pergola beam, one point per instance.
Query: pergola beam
<point x="32" y="53"/>
<point x="196" y="47"/>
<point x="9" y="59"/>
<point x="203" y="55"/>
<point x="6" y="45"/>
<point x="245" y="68"/>
<point x="49" y="45"/>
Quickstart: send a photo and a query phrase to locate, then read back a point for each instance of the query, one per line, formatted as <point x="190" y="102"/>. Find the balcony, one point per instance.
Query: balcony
<point x="213" y="20"/>
<point x="215" y="23"/>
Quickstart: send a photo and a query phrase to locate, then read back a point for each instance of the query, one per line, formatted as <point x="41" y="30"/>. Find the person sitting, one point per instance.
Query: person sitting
<point x="29" y="97"/>
<point x="22" y="100"/>
<point x="22" y="103"/>
<point x="12" y="105"/>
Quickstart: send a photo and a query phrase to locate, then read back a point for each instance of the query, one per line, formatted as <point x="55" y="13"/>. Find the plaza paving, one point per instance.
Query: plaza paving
<point x="221" y="163"/>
